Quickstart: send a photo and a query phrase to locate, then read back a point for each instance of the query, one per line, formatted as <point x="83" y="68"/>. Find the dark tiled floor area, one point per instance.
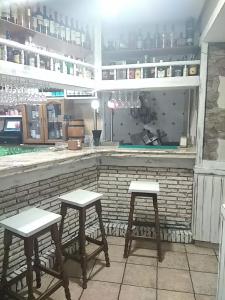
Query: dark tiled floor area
<point x="188" y="272"/>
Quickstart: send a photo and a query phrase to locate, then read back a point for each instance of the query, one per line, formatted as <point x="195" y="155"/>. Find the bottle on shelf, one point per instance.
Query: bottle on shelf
<point x="157" y="38"/>
<point x="21" y="15"/>
<point x="62" y="29"/>
<point x="67" y="30"/>
<point x="53" y="25"/>
<point x="16" y="56"/>
<point x="39" y="16"/>
<point x="139" y="42"/>
<point x="137" y="74"/>
<point x="78" y="35"/>
<point x="9" y="49"/>
<point x="178" y="71"/>
<point x="131" y="73"/>
<point x="161" y="71"/>
<point x="181" y="42"/>
<point x="34" y="20"/>
<point x="169" y="71"/>
<point x="46" y="21"/>
<point x="5" y="12"/>
<point x="189" y="27"/>
<point x="14" y="13"/>
<point x="148" y="41"/>
<point x="172" y="41"/>
<point x="88" y="38"/>
<point x="185" y="71"/>
<point x="73" y="32"/>
<point x="83" y="37"/>
<point x="27" y="18"/>
<point x="164" y="37"/>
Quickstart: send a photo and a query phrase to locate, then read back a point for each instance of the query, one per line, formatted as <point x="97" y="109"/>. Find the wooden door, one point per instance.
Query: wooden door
<point x="53" y="113"/>
<point x="33" y="129"/>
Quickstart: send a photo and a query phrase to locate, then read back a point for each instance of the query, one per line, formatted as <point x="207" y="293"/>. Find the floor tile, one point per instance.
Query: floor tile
<point x="100" y="290"/>
<point x="140" y="256"/>
<point x="166" y="246"/>
<point x="115" y="253"/>
<point x="204" y="283"/>
<point x="174" y="260"/>
<point x="204" y="297"/>
<point x="199" y="250"/>
<point x="148" y="244"/>
<point x="73" y="268"/>
<point x="114" y="273"/>
<point x="140" y="275"/>
<point x="129" y="292"/>
<point x="171" y="295"/>
<point x="114" y="240"/>
<point x="175" y="280"/>
<point x="203" y="263"/>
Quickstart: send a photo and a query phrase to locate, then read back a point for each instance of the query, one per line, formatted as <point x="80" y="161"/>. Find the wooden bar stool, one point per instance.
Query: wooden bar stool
<point x="142" y="189"/>
<point x="81" y="200"/>
<point x="28" y="226"/>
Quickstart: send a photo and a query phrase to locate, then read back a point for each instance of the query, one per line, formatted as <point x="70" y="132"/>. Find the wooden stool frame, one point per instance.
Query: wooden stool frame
<point x="30" y="246"/>
<point x="82" y="238"/>
<point x="129" y="236"/>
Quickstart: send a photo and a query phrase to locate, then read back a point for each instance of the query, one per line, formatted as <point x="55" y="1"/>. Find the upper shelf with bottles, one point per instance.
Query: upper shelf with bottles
<point x="150" y="43"/>
<point x="50" y="31"/>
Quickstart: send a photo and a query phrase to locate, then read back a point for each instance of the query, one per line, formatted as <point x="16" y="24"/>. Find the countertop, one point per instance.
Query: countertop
<point x="21" y="162"/>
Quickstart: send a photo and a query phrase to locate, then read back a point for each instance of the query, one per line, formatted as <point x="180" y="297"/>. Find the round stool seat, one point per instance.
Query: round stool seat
<point x="30" y="221"/>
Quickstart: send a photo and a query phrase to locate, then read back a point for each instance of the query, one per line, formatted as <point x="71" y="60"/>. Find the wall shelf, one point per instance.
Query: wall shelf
<point x="40" y="39"/>
<point x="123" y="54"/>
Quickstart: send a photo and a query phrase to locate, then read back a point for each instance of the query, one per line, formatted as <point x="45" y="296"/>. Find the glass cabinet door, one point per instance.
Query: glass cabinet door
<point x="54" y="120"/>
<point x="32" y="124"/>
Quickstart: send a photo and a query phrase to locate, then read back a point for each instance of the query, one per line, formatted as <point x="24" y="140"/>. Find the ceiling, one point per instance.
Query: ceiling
<point x="132" y="10"/>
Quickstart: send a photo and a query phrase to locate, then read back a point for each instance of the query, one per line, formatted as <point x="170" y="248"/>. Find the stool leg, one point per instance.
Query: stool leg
<point x="157" y="227"/>
<point x="7" y="244"/>
<point x="63" y="212"/>
<point x="56" y="240"/>
<point x="28" y="249"/>
<point x="129" y="227"/>
<point x="37" y="264"/>
<point x="82" y="239"/>
<point x="98" y="208"/>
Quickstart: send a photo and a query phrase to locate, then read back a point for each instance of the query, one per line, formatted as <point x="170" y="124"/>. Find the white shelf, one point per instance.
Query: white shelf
<point x="150" y="83"/>
<point x="50" y="78"/>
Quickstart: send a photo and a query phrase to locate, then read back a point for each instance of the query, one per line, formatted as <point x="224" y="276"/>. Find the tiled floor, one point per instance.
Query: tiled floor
<point x="188" y="272"/>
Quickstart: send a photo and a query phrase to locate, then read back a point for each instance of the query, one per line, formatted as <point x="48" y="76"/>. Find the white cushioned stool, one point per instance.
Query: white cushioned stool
<point x="29" y="225"/>
<point x="81" y="200"/>
<point x="146" y="189"/>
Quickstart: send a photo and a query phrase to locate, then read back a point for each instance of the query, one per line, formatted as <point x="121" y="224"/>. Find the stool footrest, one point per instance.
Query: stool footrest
<point x="90" y="256"/>
<point x="94" y="241"/>
<point x="50" y="272"/>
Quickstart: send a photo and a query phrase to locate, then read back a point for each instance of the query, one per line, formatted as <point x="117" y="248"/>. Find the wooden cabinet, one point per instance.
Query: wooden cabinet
<point x="43" y="124"/>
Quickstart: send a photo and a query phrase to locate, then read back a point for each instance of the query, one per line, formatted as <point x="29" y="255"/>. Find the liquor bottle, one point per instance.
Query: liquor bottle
<point x="164" y="38"/>
<point x="157" y="39"/>
<point x="146" y="73"/>
<point x="46" y="22"/>
<point x="88" y="39"/>
<point x="13" y="13"/>
<point x="185" y="71"/>
<point x="190" y="32"/>
<point x="161" y="71"/>
<point x="27" y="17"/>
<point x="72" y="32"/>
<point x="9" y="49"/>
<point x="29" y="58"/>
<point x="39" y="16"/>
<point x="181" y="42"/>
<point x="34" y="20"/>
<point x="21" y="15"/>
<point x="52" y="25"/>
<point x="62" y="29"/>
<point x="139" y="42"/>
<point x="83" y="37"/>
<point x="78" y="35"/>
<point x="172" y="42"/>
<point x="5" y="12"/>
<point x="148" y="41"/>
<point x="55" y="29"/>
<point x="68" y="32"/>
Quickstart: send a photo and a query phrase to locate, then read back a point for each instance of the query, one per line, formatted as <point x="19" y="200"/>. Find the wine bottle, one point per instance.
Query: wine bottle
<point x="46" y="22"/>
<point x="62" y="29"/>
<point x="72" y="32"/>
<point x="68" y="31"/>
<point x="34" y="20"/>
<point x="52" y="25"/>
<point x="78" y="35"/>
<point x="39" y="15"/>
<point x="57" y="28"/>
<point x="27" y="17"/>
<point x="13" y="13"/>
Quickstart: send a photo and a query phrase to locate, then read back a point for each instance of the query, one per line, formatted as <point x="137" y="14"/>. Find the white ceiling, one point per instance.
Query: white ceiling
<point x="134" y="10"/>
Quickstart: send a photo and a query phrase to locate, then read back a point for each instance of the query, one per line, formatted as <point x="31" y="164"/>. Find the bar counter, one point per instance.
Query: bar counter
<point x="37" y="179"/>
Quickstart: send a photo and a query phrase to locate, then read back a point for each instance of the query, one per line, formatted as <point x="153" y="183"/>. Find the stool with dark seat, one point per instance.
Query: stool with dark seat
<point x="28" y="226"/>
<point x="146" y="189"/>
<point x="81" y="200"/>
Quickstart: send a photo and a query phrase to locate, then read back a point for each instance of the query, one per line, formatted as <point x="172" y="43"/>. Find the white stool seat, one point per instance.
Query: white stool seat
<point x="30" y="221"/>
<point x="80" y="198"/>
<point x="144" y="186"/>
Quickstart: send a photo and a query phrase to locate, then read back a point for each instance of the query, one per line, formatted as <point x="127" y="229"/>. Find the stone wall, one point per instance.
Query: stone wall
<point x="214" y="136"/>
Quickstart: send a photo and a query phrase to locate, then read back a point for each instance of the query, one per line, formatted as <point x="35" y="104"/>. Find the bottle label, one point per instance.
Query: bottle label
<point x="52" y="27"/>
<point x="68" y="38"/>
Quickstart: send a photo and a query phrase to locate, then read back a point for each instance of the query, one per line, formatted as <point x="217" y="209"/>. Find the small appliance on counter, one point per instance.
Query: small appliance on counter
<point x="11" y="131"/>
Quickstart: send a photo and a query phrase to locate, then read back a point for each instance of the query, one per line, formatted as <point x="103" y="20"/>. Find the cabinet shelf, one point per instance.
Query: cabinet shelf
<point x="41" y="39"/>
<point x="124" y="54"/>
